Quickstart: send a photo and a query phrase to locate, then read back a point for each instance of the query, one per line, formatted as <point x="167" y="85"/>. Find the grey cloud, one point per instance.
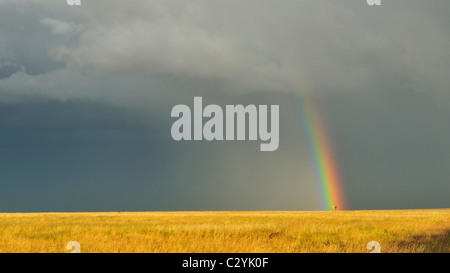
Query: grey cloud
<point x="307" y="46"/>
<point x="44" y="115"/>
<point x="25" y="43"/>
<point x="295" y="46"/>
<point x="392" y="148"/>
<point x="89" y="89"/>
<point x="7" y="68"/>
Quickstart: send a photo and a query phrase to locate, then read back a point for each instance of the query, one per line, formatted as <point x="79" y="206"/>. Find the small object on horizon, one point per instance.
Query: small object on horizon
<point x="273" y="234"/>
<point x="335" y="208"/>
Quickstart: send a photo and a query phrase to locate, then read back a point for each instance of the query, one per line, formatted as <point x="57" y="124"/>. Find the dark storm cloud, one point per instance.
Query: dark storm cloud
<point x="72" y="163"/>
<point x="86" y="93"/>
<point x="25" y="43"/>
<point x="291" y="46"/>
<point x="72" y="115"/>
<point x="392" y="149"/>
<point x="8" y="68"/>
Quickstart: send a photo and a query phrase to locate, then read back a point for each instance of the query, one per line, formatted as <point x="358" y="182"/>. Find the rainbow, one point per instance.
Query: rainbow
<point x="321" y="154"/>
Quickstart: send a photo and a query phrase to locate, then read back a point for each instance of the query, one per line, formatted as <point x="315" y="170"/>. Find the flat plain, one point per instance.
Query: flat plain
<point x="416" y="231"/>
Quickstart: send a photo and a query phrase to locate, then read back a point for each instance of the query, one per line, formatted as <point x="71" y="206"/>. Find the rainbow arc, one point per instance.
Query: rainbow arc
<point x="321" y="154"/>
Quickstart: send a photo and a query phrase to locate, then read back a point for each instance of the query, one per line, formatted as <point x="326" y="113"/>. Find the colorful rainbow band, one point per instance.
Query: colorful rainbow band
<point x="321" y="154"/>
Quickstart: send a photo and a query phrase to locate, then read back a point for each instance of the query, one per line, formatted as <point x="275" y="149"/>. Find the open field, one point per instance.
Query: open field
<point x="341" y="231"/>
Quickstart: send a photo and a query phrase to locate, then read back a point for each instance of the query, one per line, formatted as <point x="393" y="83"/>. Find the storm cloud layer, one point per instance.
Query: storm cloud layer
<point x="86" y="93"/>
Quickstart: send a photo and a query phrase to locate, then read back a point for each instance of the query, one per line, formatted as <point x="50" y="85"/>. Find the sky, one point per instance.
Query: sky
<point x="86" y="94"/>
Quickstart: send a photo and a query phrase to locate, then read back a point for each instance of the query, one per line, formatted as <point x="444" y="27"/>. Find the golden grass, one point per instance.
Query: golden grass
<point x="341" y="231"/>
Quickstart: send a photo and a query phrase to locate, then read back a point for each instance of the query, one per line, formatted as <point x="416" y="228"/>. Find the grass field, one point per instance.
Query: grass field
<point x="341" y="231"/>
